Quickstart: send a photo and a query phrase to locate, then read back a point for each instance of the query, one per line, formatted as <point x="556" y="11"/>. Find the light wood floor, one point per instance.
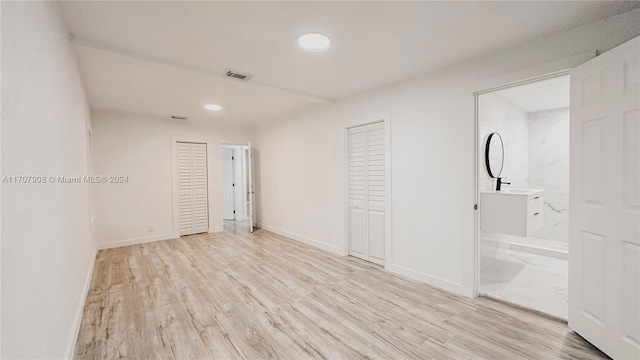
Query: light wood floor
<point x="237" y="295"/>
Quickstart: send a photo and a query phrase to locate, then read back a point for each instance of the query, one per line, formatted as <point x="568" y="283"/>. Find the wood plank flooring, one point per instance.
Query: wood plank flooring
<point x="235" y="295"/>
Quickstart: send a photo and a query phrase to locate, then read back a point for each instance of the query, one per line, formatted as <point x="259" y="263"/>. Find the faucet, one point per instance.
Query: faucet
<point x="499" y="184"/>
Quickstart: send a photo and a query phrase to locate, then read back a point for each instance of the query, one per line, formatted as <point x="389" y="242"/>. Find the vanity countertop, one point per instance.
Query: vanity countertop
<point x="512" y="191"/>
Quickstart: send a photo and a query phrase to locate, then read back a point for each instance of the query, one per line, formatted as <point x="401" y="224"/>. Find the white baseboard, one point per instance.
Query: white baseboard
<point x="306" y="240"/>
<point x="77" y="320"/>
<point x="428" y="279"/>
<point x="144" y="240"/>
<point x="216" y="229"/>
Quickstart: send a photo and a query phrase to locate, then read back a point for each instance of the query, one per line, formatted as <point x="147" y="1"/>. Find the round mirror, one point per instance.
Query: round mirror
<point x="494" y="155"/>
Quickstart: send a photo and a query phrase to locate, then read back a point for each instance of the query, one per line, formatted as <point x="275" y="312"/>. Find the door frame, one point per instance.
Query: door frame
<point x="477" y="153"/>
<point x="174" y="181"/>
<point x="239" y="153"/>
<point x="233" y="175"/>
<point x="386" y="119"/>
<point x="245" y="184"/>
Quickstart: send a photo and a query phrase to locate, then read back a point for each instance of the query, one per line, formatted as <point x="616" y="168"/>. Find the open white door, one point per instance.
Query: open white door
<point x="250" y="186"/>
<point x="228" y="184"/>
<point x="604" y="241"/>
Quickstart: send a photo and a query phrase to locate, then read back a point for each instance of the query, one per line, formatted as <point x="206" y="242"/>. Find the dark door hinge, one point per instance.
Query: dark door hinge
<point x="475" y="206"/>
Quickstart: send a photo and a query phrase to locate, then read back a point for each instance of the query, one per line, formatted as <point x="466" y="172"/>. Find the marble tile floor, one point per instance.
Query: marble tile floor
<point x="533" y="281"/>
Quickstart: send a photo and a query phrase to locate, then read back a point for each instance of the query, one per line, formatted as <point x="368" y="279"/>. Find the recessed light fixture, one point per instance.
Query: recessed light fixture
<point x="314" y="41"/>
<point x="213" y="107"/>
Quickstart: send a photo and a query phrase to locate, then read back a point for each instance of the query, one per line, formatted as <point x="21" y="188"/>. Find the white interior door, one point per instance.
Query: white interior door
<point x="228" y="184"/>
<point x="604" y="242"/>
<point x="250" y="187"/>
<point x="193" y="207"/>
<point x="366" y="192"/>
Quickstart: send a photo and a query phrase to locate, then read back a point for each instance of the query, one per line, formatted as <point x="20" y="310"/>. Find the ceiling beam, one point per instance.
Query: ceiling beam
<point x="155" y="60"/>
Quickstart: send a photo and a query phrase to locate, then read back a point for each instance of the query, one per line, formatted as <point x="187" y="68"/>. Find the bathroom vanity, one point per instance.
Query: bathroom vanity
<point x="511" y="211"/>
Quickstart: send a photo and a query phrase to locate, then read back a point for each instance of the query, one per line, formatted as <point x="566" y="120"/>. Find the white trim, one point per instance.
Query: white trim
<point x="560" y="67"/>
<point x="306" y="240"/>
<point x="388" y="251"/>
<point x="77" y="319"/>
<point x="215" y="230"/>
<point x="427" y="279"/>
<point x="142" y="240"/>
<point x="148" y="239"/>
<point x="345" y="241"/>
<point x="388" y="256"/>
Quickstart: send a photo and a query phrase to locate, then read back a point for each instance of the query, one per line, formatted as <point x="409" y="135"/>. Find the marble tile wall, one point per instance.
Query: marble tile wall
<point x="512" y="123"/>
<point x="499" y="115"/>
<point x="536" y="156"/>
<point x="548" y="164"/>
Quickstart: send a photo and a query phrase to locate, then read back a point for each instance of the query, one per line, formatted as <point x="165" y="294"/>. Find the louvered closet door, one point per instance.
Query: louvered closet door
<point x="192" y="188"/>
<point x="366" y="192"/>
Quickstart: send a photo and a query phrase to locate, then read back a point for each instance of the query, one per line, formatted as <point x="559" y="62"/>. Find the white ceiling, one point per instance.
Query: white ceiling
<point x="373" y="44"/>
<point x="122" y="83"/>
<point x="542" y="95"/>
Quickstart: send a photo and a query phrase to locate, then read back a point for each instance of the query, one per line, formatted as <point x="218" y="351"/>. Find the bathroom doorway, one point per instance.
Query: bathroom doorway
<point x="523" y="193"/>
<point x="234" y="180"/>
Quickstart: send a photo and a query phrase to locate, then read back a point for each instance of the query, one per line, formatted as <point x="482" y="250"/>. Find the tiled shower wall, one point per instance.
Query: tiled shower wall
<point x="549" y="169"/>
<point x="499" y="115"/>
<point x="536" y="156"/>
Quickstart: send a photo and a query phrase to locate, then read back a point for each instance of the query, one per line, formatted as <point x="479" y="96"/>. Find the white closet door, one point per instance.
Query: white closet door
<point x="356" y="192"/>
<point x="185" y="206"/>
<point x="193" y="206"/>
<point x="375" y="189"/>
<point x="366" y="192"/>
<point x="604" y="241"/>
<point x="200" y="194"/>
<point x="228" y="193"/>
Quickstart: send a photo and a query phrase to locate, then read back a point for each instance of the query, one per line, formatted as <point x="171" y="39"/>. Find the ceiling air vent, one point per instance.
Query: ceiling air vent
<point x="233" y="74"/>
<point x="179" y="117"/>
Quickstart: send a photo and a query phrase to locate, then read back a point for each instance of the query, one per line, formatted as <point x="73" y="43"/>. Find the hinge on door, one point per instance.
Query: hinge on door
<point x="475" y="206"/>
<point x="232" y="158"/>
<point x="233" y="185"/>
<point x="234" y="211"/>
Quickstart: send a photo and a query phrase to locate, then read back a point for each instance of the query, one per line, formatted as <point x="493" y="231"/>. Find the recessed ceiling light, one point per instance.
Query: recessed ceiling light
<point x="314" y="41"/>
<point x="213" y="107"/>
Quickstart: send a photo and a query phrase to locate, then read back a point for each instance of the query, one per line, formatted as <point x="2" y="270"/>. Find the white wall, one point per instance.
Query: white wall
<point x="300" y="158"/>
<point x="549" y="170"/>
<point x="47" y="246"/>
<point x="139" y="146"/>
